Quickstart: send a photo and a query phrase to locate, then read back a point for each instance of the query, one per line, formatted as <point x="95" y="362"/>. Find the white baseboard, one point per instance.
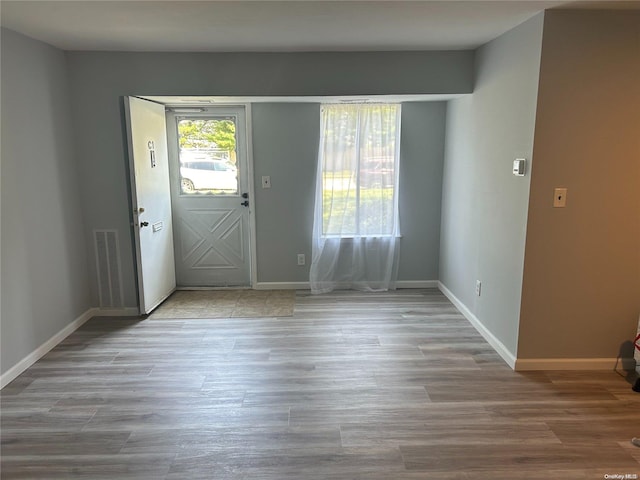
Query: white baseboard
<point x="43" y="349"/>
<point x="417" y="284"/>
<point x="497" y="345"/>
<point x="11" y="374"/>
<point x="188" y="288"/>
<point x="524" y="364"/>
<point x="116" y="312"/>
<point x="527" y="364"/>
<point x="281" y="286"/>
<point x="306" y="286"/>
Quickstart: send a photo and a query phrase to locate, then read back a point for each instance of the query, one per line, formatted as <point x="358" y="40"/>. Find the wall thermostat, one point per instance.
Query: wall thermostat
<point x="518" y="167"/>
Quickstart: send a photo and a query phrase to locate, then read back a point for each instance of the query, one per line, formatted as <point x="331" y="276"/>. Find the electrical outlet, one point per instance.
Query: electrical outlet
<point x="301" y="259"/>
<point x="560" y="197"/>
<point x="478" y="287"/>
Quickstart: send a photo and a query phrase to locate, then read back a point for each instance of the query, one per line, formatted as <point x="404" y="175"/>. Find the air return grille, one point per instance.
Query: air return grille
<point x="108" y="268"/>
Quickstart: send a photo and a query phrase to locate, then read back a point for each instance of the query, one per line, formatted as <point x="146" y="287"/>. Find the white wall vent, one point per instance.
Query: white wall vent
<point x="108" y="268"/>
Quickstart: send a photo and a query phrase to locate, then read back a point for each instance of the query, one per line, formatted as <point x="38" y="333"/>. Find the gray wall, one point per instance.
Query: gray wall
<point x="581" y="294"/>
<point x="420" y="201"/>
<point x="282" y="74"/>
<point x="99" y="80"/>
<point x="285" y="146"/>
<point x="484" y="207"/>
<point x="44" y="271"/>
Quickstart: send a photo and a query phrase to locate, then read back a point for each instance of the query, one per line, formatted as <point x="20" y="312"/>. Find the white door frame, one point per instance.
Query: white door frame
<point x="252" y="197"/>
<point x="253" y="265"/>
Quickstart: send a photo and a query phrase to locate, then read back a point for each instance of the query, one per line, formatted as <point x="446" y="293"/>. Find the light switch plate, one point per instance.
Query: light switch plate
<point x="266" y="181"/>
<point x="519" y="165"/>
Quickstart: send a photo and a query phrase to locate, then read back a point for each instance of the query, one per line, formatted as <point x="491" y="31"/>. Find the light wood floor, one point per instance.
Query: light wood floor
<point x="391" y="386"/>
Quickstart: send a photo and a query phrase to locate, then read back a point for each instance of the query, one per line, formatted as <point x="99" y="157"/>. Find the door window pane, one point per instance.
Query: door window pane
<point x="208" y="156"/>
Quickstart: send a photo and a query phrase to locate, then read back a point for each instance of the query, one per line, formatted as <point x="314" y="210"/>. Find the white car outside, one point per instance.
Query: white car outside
<point x="211" y="174"/>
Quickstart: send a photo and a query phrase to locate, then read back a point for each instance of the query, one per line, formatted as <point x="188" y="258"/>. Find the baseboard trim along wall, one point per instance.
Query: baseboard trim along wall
<point x="43" y="349"/>
<point x="306" y="286"/>
<point x="525" y="364"/>
<point x="528" y="364"/>
<point x="116" y="312"/>
<point x="497" y="345"/>
<point x="281" y="286"/>
<point x="11" y="374"/>
<point x="522" y="364"/>
<point x="417" y="284"/>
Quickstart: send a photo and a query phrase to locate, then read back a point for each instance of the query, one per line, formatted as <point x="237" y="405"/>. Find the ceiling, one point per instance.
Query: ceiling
<point x="260" y="26"/>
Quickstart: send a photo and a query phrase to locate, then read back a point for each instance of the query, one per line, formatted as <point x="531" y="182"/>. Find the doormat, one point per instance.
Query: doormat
<point x="226" y="304"/>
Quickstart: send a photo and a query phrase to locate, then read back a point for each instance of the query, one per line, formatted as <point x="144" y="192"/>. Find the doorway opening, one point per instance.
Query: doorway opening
<point x="191" y="198"/>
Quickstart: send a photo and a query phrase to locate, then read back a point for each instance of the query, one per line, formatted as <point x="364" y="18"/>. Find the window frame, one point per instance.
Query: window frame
<point x="395" y="228"/>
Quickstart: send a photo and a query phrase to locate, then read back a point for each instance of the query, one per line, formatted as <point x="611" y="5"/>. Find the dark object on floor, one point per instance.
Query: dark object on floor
<point x="636" y="386"/>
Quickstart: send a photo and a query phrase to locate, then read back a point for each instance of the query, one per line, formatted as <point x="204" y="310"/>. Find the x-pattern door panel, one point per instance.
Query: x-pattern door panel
<point x="212" y="239"/>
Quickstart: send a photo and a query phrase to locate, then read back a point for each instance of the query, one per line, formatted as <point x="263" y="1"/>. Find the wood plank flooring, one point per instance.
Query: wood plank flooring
<point x="394" y="386"/>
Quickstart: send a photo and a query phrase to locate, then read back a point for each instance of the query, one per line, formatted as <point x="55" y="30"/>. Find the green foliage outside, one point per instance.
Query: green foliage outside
<point x="207" y="135"/>
<point x="375" y="211"/>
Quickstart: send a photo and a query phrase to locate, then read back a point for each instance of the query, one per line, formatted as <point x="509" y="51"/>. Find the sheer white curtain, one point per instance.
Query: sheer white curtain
<point x="355" y="229"/>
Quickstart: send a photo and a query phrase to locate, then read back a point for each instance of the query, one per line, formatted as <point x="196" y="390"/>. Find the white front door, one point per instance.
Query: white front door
<point x="151" y="201"/>
<point x="210" y="197"/>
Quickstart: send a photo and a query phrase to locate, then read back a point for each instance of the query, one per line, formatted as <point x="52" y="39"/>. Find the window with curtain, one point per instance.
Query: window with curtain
<point x="356" y="215"/>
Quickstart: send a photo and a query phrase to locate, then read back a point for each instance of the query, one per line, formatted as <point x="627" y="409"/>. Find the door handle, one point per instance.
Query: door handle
<point x="144" y="224"/>
<point x="245" y="203"/>
<point x="245" y="195"/>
